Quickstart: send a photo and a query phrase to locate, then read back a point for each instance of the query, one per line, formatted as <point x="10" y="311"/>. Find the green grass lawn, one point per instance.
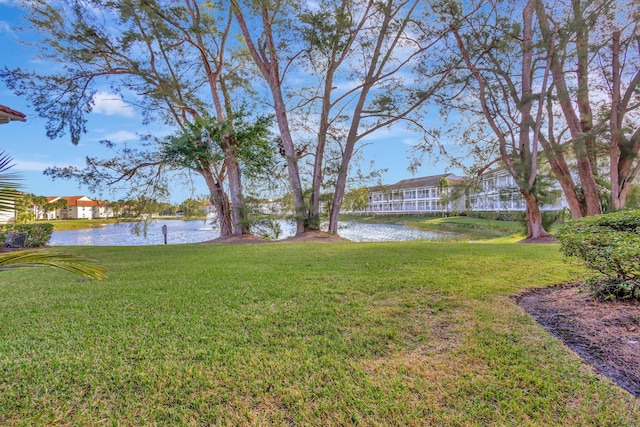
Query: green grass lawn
<point x="296" y="334"/>
<point x="464" y="228"/>
<point x="79" y="224"/>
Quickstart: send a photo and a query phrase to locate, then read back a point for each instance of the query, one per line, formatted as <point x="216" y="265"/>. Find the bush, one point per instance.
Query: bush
<point x="610" y="244"/>
<point x="35" y="234"/>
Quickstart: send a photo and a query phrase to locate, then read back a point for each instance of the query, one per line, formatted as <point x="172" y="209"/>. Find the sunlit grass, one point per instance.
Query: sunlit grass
<point x="79" y="224"/>
<point x="296" y="333"/>
<point x="463" y="228"/>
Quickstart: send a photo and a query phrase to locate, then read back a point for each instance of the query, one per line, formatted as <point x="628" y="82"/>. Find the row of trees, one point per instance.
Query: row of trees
<point x="24" y="201"/>
<point x="558" y="78"/>
<point x="27" y="204"/>
<point x="527" y="82"/>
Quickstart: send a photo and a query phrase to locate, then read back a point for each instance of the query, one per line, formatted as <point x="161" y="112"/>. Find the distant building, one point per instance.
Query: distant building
<point x="496" y="190"/>
<point x="7" y="216"/>
<point x="9" y="115"/>
<point x="78" y="207"/>
<point x="418" y="195"/>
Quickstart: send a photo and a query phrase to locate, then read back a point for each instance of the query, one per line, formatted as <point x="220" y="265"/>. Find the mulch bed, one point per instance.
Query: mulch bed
<point x="606" y="334"/>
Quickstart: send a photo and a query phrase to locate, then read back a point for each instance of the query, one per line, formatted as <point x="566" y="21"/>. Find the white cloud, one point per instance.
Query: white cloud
<point x="110" y="104"/>
<point x="27" y="165"/>
<point x="121" y="136"/>
<point x="411" y="141"/>
<point x="5" y="27"/>
<point x="313" y="6"/>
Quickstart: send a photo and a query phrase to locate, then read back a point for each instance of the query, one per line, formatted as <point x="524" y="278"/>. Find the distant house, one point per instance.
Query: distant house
<point x="9" y="115"/>
<point x="418" y="195"/>
<point x="7" y="216"/>
<point x="78" y="207"/>
<point x="497" y="191"/>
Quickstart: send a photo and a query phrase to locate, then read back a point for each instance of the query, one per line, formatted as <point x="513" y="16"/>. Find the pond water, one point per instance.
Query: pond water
<point x="179" y="231"/>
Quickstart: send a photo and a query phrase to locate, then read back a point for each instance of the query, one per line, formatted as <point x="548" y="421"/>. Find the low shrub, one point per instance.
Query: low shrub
<point x="609" y="244"/>
<point x="35" y="235"/>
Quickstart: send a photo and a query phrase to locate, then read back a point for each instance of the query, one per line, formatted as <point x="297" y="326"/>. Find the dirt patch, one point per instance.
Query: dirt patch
<point x="309" y="236"/>
<point x="546" y="239"/>
<point x="606" y="334"/>
<point x="241" y="239"/>
<point x="315" y="236"/>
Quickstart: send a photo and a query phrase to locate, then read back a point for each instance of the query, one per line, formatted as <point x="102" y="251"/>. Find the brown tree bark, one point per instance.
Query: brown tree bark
<point x="267" y="60"/>
<point x="579" y="127"/>
<point x="623" y="151"/>
<point x="523" y="102"/>
<point x="218" y="198"/>
<point x="375" y="70"/>
<point x="535" y="228"/>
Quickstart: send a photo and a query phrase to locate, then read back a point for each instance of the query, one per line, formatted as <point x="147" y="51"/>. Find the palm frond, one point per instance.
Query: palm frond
<point x="85" y="267"/>
<point x="8" y="183"/>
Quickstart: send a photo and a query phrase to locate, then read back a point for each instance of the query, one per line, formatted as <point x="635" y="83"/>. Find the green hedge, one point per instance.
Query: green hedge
<point x="35" y="234"/>
<point x="609" y="244"/>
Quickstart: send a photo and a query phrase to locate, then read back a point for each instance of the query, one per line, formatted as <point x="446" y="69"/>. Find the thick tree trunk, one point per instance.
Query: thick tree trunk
<point x="561" y="171"/>
<point x="338" y="194"/>
<point x="316" y="184"/>
<point x="238" y="208"/>
<point x="579" y="127"/>
<point x="582" y="96"/>
<point x="266" y="58"/>
<point x="220" y="201"/>
<point x="623" y="151"/>
<point x="302" y="222"/>
<point x="535" y="229"/>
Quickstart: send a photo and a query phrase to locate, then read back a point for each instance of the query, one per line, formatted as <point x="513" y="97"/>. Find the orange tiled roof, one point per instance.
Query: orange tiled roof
<point x="8" y="114"/>
<point x="77" y="201"/>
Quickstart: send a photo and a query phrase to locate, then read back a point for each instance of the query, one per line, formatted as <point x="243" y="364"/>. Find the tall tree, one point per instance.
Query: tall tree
<point x="496" y="45"/>
<point x="170" y="57"/>
<point x="595" y="63"/>
<point x="390" y="41"/>
<point x="265" y="49"/>
<point x="367" y="47"/>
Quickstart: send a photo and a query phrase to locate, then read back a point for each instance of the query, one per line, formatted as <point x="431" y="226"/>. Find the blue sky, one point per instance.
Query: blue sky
<point x="112" y="119"/>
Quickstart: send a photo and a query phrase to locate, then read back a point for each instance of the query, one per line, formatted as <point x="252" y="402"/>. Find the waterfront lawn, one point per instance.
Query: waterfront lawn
<point x="307" y="333"/>
<point x="80" y="224"/>
<point x="465" y="228"/>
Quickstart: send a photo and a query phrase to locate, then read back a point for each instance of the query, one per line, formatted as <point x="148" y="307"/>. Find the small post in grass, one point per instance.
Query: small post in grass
<point x="164" y="232"/>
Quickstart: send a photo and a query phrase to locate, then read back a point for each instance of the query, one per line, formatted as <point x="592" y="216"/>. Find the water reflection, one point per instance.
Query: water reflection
<point x="179" y="231"/>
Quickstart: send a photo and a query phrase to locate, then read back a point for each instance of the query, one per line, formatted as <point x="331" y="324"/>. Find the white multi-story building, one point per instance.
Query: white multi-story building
<point x="418" y="195"/>
<point x="496" y="190"/>
<point x="78" y="207"/>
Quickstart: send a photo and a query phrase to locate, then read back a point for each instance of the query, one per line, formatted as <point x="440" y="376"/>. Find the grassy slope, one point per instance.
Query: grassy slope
<point x="465" y="227"/>
<point x="296" y="333"/>
<point x="80" y="224"/>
